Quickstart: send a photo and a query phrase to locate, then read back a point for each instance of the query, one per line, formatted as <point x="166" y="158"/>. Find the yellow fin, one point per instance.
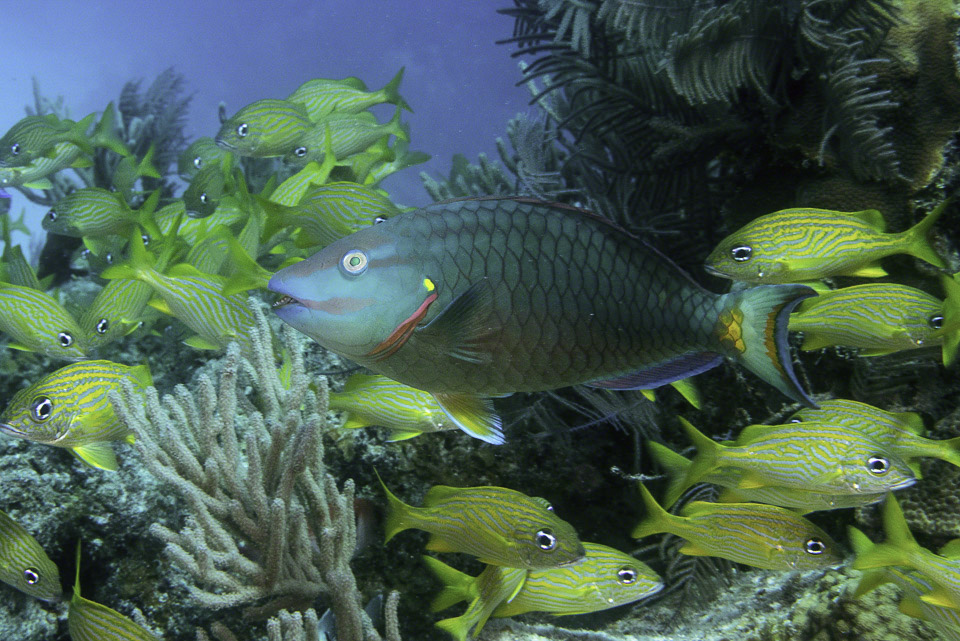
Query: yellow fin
<point x="436" y="544"/>
<point x="872" y="270"/>
<point x="692" y="549"/>
<point x="871" y="217"/>
<point x="99" y="455"/>
<point x="161" y="306"/>
<point x="198" y="342"/>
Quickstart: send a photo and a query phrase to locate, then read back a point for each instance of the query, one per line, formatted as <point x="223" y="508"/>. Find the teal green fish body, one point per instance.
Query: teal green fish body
<point x="497" y="525"/>
<point x="322" y="96"/>
<point x="817" y="457"/>
<point x="37" y="322"/>
<point x="23" y="563"/>
<point x="349" y="134"/>
<point x="36" y="136"/>
<point x="70" y="408"/>
<point x="265" y="128"/>
<point x="95" y="213"/>
<point x="877" y="318"/>
<point x="201" y="153"/>
<point x="796" y="245"/>
<point x="762" y="536"/>
<point x="485" y="297"/>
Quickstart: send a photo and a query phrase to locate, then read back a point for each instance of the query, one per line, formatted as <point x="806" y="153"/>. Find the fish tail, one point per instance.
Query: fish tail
<point x="397" y="513"/>
<point x="76" y="584"/>
<point x="141" y="373"/>
<point x="753" y="329"/>
<point x="655" y="520"/>
<point x="707" y="452"/>
<point x="676" y="466"/>
<point x="949" y="451"/>
<point x="457" y="627"/>
<point x="396" y="128"/>
<point x="951" y="319"/>
<point x="391" y="92"/>
<point x="137" y="267"/>
<point x="861" y="544"/>
<point x="917" y="238"/>
<point x="78" y="134"/>
<point x="456" y="584"/>
<point x="146" y="166"/>
<point x="898" y="547"/>
<point x="248" y="274"/>
<point x="105" y="134"/>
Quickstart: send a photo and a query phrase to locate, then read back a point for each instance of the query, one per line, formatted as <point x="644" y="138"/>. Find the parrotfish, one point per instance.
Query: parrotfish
<point x="322" y="96"/>
<point x="37" y="322"/>
<point x="23" y="563"/>
<point x="90" y="621"/>
<point x="795" y="245"/>
<point x="498" y="525"/>
<point x="265" y="128"/>
<point x="877" y="318"/>
<point x="70" y="408"/>
<point x="901" y="549"/>
<point x="762" y="536"/>
<point x="484" y="297"/>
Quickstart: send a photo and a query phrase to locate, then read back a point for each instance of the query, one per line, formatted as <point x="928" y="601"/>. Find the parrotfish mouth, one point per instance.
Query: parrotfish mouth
<point x="283" y="301"/>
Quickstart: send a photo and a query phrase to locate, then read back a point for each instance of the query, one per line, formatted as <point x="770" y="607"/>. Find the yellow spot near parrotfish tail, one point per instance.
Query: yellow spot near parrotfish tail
<point x="730" y="330"/>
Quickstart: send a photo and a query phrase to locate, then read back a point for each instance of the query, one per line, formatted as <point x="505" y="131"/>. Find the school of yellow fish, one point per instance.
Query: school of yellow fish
<point x="194" y="259"/>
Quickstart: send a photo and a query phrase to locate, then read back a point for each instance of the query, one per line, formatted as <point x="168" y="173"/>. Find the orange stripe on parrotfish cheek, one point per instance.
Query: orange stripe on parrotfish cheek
<point x="402" y="332"/>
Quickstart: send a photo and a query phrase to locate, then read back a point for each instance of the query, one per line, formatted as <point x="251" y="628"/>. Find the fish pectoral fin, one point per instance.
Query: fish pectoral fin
<point x="354" y="423"/>
<point x="98" y="455"/>
<point x="160" y="305"/>
<point x="939" y="596"/>
<point x="40" y="183"/>
<point x="436" y="544"/>
<point x="877" y="351"/>
<point x="812" y="341"/>
<point x="20" y="347"/>
<point x="462" y="326"/>
<point x="198" y="342"/>
<point x="829" y="477"/>
<point x="473" y="415"/>
<point x="692" y="549"/>
<point x="750" y="481"/>
<point x="402" y="435"/>
<point x="871" y="270"/>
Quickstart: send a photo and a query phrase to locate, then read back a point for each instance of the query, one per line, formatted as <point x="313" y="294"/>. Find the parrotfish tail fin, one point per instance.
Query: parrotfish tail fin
<point x="391" y="91"/>
<point x="676" y="466"/>
<point x="871" y="579"/>
<point x="456" y="584"/>
<point x="707" y="452"/>
<point x="655" y="520"/>
<point x="917" y="238"/>
<point x="395" y="127"/>
<point x="78" y="134"/>
<point x="752" y="328"/>
<point x="473" y="415"/>
<point x="899" y="546"/>
<point x="105" y="135"/>
<point x="397" y="513"/>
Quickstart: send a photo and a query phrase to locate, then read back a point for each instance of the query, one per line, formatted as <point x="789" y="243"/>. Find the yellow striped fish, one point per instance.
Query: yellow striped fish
<point x="34" y="175"/>
<point x="201" y="152"/>
<point x="16" y="270"/>
<point x="36" y="322"/>
<point x="93" y="213"/>
<point x="951" y="318"/>
<point x="484" y="594"/>
<point x="322" y="96"/>
<point x="404" y="410"/>
<point x="90" y="621"/>
<point x="809" y="456"/>
<point x="761" y="536"/>
<point x="265" y="128"/>
<point x="902" y="431"/>
<point x="349" y="134"/>
<point x="497" y="525"/>
<point x="70" y="408"/>
<point x="879" y="319"/>
<point x="795" y="245"/>
<point x="23" y="563"/>
<point x="115" y="312"/>
<point x="193" y="297"/>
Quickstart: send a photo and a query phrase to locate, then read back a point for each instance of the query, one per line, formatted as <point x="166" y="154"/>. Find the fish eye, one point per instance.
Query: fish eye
<point x="379" y="219"/>
<point x="796" y="419"/>
<point x="627" y="575"/>
<point x="51" y="215"/>
<point x="85" y="254"/>
<point x="300" y="152"/>
<point x="243" y="130"/>
<point x="31" y="576"/>
<point x="935" y="322"/>
<point x="203" y="198"/>
<point x="741" y="253"/>
<point x="354" y="262"/>
<point x="878" y="466"/>
<point x="815" y="547"/>
<point x="145" y="238"/>
<point x="102" y="326"/>
<point x="109" y="258"/>
<point x="198" y="162"/>
<point x="42" y="408"/>
<point x="65" y="338"/>
<point x="15" y="149"/>
<point x="546" y="540"/>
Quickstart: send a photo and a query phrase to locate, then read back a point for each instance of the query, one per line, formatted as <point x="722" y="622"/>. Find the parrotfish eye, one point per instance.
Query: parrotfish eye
<point x="741" y="253"/>
<point x="243" y="130"/>
<point x="198" y="162"/>
<point x="546" y="540"/>
<point x="102" y="325"/>
<point x="42" y="408"/>
<point x="51" y="215"/>
<point x="935" y="322"/>
<point x="31" y="576"/>
<point x="15" y="149"/>
<point x="627" y="575"/>
<point x="300" y="152"/>
<point x="354" y="262"/>
<point x="203" y="198"/>
<point x="379" y="219"/>
<point x="65" y="338"/>
<point x="815" y="547"/>
<point x="878" y="466"/>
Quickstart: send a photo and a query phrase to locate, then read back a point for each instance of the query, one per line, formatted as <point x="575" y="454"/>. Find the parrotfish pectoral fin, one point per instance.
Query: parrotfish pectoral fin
<point x="473" y="415"/>
<point x="663" y="373"/>
<point x="461" y="326"/>
<point x="752" y="329"/>
<point x="99" y="455"/>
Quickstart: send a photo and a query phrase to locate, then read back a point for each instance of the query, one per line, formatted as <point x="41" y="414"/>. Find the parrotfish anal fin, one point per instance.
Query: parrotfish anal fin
<point x="473" y="415"/>
<point x="99" y="455"/>
<point x="461" y="327"/>
<point x="663" y="373"/>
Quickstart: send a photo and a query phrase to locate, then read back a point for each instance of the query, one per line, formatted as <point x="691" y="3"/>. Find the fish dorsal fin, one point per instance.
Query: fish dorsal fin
<point x="439" y="493"/>
<point x="751" y="432"/>
<point x="911" y="421"/>
<point x="464" y="323"/>
<point x="699" y="508"/>
<point x="473" y="415"/>
<point x="951" y="550"/>
<point x="871" y="217"/>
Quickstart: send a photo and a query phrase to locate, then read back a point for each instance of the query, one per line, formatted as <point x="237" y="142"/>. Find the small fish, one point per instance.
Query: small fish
<point x="36" y="322"/>
<point x="405" y="411"/>
<point x="795" y="245"/>
<point x="322" y="96"/>
<point x="118" y="310"/>
<point x="206" y="189"/>
<point x="34" y="174"/>
<point x="477" y="298"/>
<point x="901" y="549"/>
<point x="36" y="136"/>
<point x="16" y="269"/>
<point x="265" y="128"/>
<point x="129" y="170"/>
<point x="878" y="318"/>
<point x="348" y="134"/>
<point x="497" y="525"/>
<point x="69" y="408"/>
<point x="808" y="456"/>
<point x="201" y="153"/>
<point x="902" y="431"/>
<point x="23" y="563"/>
<point x="761" y="536"/>
<point x="402" y="159"/>
<point x="485" y="593"/>
<point x="91" y="621"/>
<point x="95" y="213"/>
<point x="193" y="297"/>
